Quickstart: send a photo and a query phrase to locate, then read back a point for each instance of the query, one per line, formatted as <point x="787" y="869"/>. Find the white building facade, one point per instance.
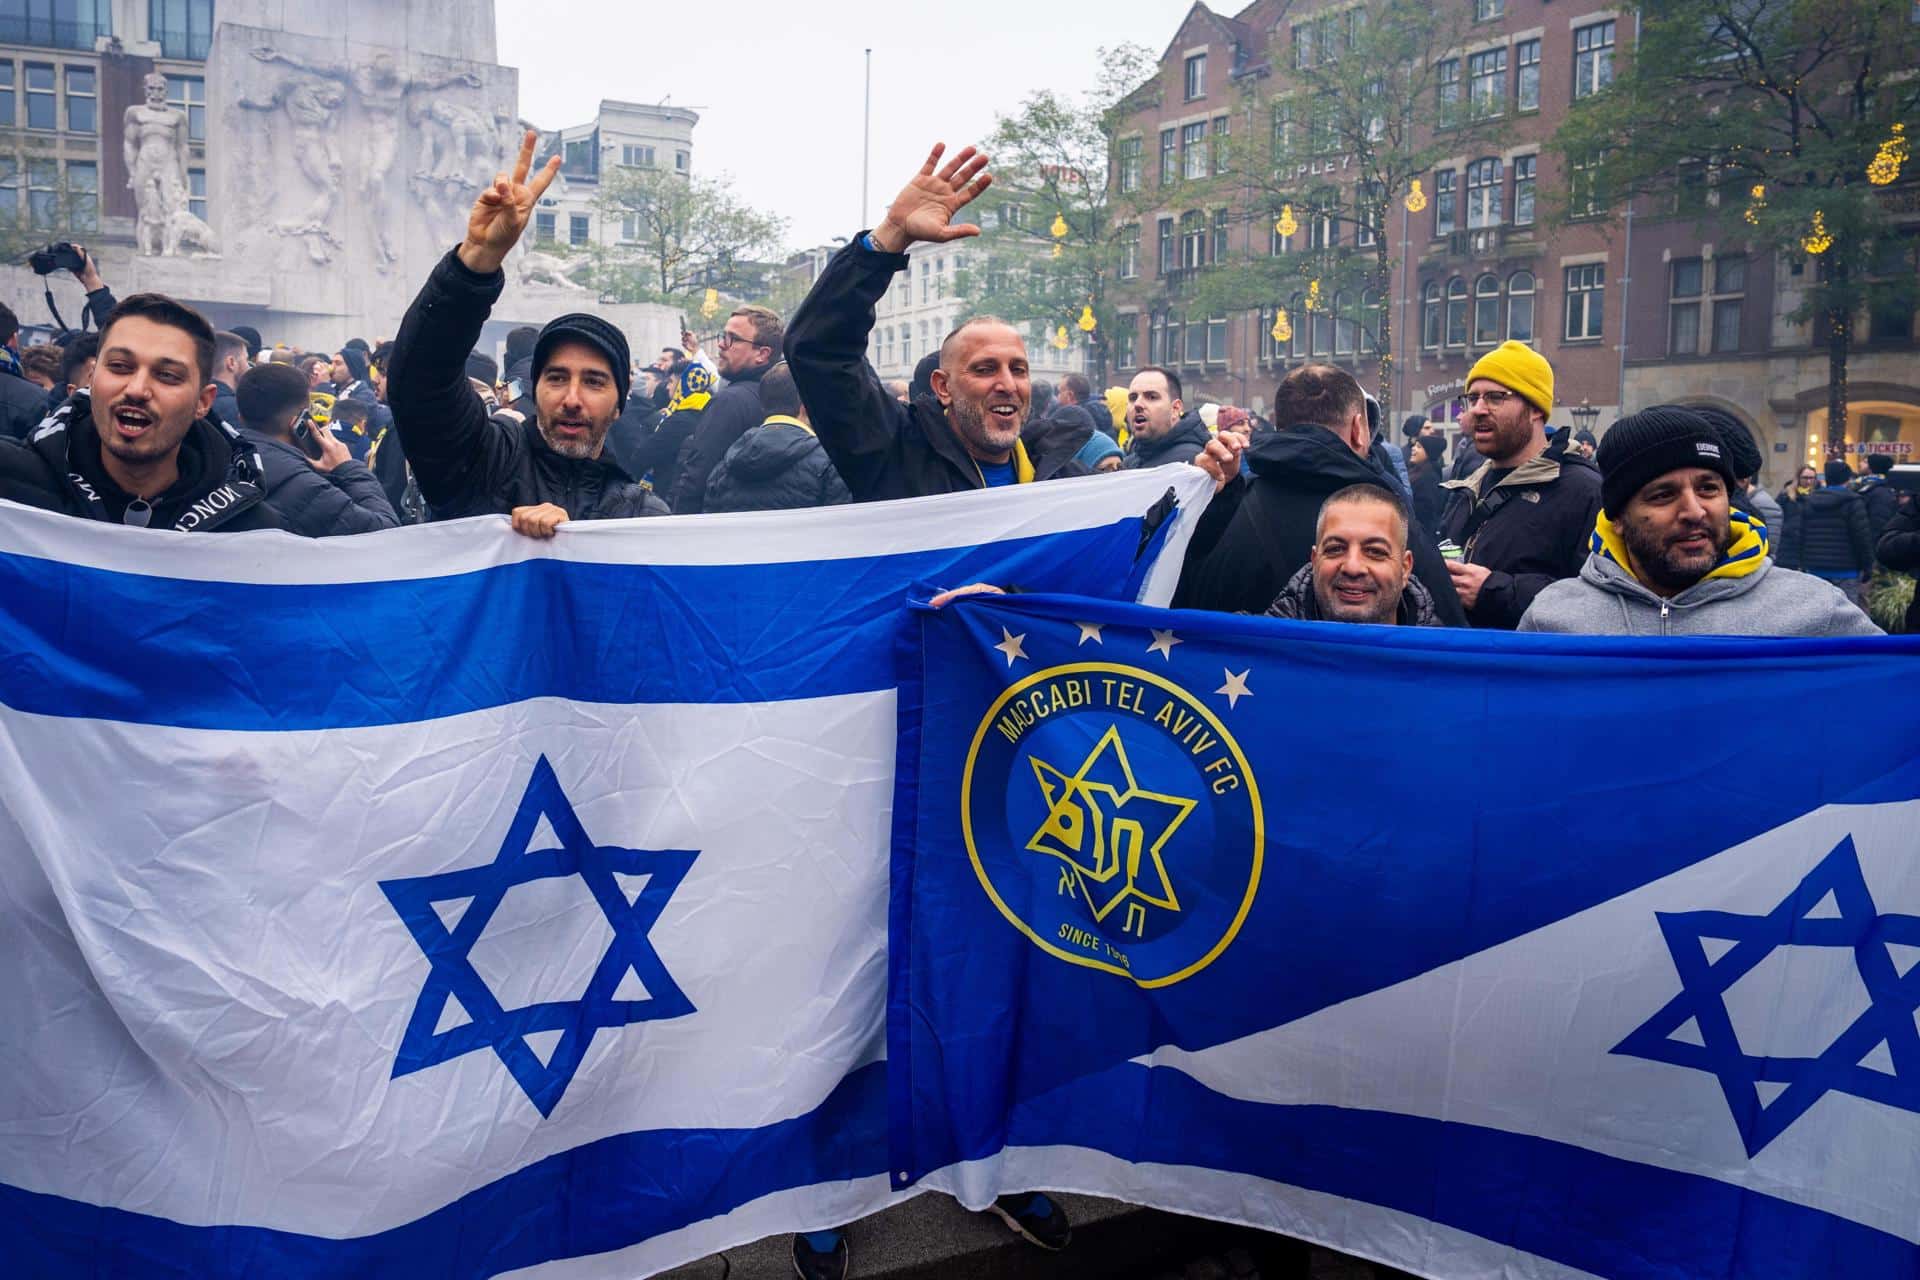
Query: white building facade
<point x="924" y="306"/>
<point x="623" y="135"/>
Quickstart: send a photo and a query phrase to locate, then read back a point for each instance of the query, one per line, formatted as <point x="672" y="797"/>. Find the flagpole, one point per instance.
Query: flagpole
<point x="866" y="138"/>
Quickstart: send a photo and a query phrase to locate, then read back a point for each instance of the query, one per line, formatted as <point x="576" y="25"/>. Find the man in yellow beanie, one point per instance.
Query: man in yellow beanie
<point x="1522" y="519"/>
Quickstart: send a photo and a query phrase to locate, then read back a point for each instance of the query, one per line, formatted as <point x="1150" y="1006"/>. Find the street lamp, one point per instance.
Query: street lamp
<point x="1583" y="417"/>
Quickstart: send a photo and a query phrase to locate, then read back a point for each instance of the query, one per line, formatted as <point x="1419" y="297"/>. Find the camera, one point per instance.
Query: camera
<point x="56" y="257"/>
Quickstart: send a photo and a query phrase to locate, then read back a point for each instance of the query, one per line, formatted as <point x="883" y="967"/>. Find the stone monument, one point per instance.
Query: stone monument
<point x="155" y="144"/>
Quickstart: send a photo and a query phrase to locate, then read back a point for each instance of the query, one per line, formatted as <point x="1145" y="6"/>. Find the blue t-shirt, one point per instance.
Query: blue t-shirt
<point x="996" y="476"/>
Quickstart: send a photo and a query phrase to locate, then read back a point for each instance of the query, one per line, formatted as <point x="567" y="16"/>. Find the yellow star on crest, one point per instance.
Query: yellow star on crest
<point x="1110" y="832"/>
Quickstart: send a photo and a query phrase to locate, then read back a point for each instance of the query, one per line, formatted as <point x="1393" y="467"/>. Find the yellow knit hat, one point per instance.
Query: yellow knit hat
<point x="1520" y="369"/>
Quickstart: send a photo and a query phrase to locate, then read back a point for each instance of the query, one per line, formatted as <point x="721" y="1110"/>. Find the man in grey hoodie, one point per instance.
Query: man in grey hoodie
<point x="1675" y="561"/>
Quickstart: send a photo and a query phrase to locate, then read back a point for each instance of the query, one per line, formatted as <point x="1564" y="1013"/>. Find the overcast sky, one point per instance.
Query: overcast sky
<point x="778" y="85"/>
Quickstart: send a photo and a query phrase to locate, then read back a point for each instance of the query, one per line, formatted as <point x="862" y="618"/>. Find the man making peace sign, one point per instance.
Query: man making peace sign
<point x="550" y="468"/>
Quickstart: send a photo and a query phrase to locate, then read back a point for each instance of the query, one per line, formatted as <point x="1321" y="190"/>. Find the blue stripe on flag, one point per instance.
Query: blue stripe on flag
<point x="94" y="643"/>
<point x="605" y="1195"/>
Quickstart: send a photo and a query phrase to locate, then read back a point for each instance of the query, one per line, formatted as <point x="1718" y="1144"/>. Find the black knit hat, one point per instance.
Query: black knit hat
<point x="356" y="362"/>
<point x="1644" y="446"/>
<point x="596" y="333"/>
<point x="1742" y="451"/>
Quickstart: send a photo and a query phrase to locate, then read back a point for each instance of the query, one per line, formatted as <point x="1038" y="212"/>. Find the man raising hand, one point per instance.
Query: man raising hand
<point x="550" y="468"/>
<point x="881" y="447"/>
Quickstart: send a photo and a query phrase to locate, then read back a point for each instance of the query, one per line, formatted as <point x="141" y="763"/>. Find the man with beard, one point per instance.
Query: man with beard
<point x="1677" y="560"/>
<point x="137" y="445"/>
<point x="543" y="471"/>
<point x="968" y="435"/>
<point x="1360" y="569"/>
<point x="1522" y="519"/>
<point x="1159" y="430"/>
<point x="749" y="345"/>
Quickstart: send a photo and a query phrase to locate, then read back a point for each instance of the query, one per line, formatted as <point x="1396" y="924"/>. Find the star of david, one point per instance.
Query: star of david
<point x="1885" y="1032"/>
<point x="448" y="946"/>
<point x="1096" y="824"/>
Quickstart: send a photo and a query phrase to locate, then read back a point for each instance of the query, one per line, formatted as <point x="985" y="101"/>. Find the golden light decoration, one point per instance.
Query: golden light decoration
<point x="1885" y="166"/>
<point x="1416" y="198"/>
<point x="1059" y="228"/>
<point x="1286" y="226"/>
<point x="1087" y="322"/>
<point x="710" y="305"/>
<point x="1282" y="330"/>
<point x="1060" y="339"/>
<point x="1756" y="201"/>
<point x="1817" y="240"/>
<point x="1313" y="295"/>
<point x="1059" y="251"/>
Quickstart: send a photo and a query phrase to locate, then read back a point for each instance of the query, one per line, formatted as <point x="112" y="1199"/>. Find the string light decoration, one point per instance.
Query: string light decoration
<point x="1060" y="339"/>
<point x="710" y="305"/>
<point x="1282" y="330"/>
<point x="1059" y="228"/>
<point x="1087" y="322"/>
<point x="1817" y="240"/>
<point x="1416" y="198"/>
<point x="1313" y="295"/>
<point x="1286" y="225"/>
<point x="1756" y="201"/>
<point x="1885" y="166"/>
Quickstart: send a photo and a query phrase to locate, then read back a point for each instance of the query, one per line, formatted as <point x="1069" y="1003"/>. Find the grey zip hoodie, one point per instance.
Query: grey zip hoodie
<point x="1606" y="600"/>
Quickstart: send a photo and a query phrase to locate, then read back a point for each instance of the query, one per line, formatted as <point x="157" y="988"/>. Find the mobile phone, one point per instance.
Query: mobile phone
<point x="305" y="440"/>
<point x="515" y="390"/>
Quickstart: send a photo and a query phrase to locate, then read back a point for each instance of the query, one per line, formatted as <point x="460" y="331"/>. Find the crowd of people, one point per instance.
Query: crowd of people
<point x="1658" y="527"/>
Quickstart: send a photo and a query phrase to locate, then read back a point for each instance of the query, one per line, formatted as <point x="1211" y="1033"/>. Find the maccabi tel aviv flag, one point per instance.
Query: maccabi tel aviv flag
<point x="445" y="902"/>
<point x="1474" y="954"/>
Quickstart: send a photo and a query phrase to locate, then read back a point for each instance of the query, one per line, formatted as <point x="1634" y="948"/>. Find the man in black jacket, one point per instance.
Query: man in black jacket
<point x="317" y="497"/>
<point x="1833" y="539"/>
<point x="1159" y="429"/>
<point x="779" y="465"/>
<point x="749" y="346"/>
<point x="22" y="403"/>
<point x="140" y="449"/>
<point x="229" y="366"/>
<point x="1259" y="532"/>
<point x="1525" y="516"/>
<point x="541" y="472"/>
<point x="966" y="435"/>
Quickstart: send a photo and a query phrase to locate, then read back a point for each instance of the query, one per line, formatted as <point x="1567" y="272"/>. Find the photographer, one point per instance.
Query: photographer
<point x="311" y="478"/>
<point x="64" y="256"/>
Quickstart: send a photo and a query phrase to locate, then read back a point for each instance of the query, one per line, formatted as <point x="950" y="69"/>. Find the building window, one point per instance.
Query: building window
<point x="1447" y="74"/>
<point x="1302" y="46"/>
<point x="1130" y="253"/>
<point x="1323" y="225"/>
<point x="681" y="161"/>
<point x="1217" y="340"/>
<point x="1523" y="186"/>
<point x="1222" y="149"/>
<point x="40" y="97"/>
<point x="1526" y="55"/>
<point x="634" y="156"/>
<point x="55" y="24"/>
<point x="1488" y="10"/>
<point x="1483" y="193"/>
<point x="1343" y="325"/>
<point x="1430" y="316"/>
<point x="1283" y="134"/>
<point x="43" y="192"/>
<point x="1222" y="225"/>
<point x="1520" y="306"/>
<point x="906" y="344"/>
<point x="1690" y="304"/>
<point x="1193" y="240"/>
<point x="1297" y="345"/>
<point x="1456" y="312"/>
<point x="1169" y="157"/>
<point x="6" y="93"/>
<point x="1196" y="76"/>
<point x="629" y="228"/>
<point x="1125" y="331"/>
<point x="1586" y="297"/>
<point x="83" y="102"/>
<point x="1584" y="198"/>
<point x="1129" y="166"/>
<point x="1322" y="330"/>
<point x="1193" y="150"/>
<point x="1157" y="338"/>
<point x="183" y="28"/>
<point x="1444" y="202"/>
<point x="1592" y="59"/>
<point x="1367" y="206"/>
<point x="1683" y="307"/>
<point x="1729" y="298"/>
<point x="1369" y="319"/>
<point x="1196" y="342"/>
<point x="1487" y="82"/>
<point x="1167" y="260"/>
<point x="83" y="195"/>
<point x="1486" y="311"/>
<point x="543" y="226"/>
<point x="577" y="229"/>
<point x="189" y="94"/>
<point x="9" y="192"/>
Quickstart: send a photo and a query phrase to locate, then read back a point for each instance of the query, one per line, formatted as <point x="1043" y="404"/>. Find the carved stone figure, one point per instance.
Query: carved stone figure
<point x="156" y="154"/>
<point x="311" y="108"/>
<point x="535" y="267"/>
<point x="382" y="90"/>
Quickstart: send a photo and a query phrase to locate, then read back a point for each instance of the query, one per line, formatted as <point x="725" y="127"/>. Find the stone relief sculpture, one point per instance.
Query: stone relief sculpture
<point x="156" y="155"/>
<point x="311" y="108"/>
<point x="381" y="88"/>
<point x="535" y="267"/>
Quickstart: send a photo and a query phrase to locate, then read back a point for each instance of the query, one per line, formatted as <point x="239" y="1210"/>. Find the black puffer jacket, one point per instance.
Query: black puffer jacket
<point x="220" y="485"/>
<point x="1832" y="535"/>
<point x="465" y="464"/>
<point x="321" y="504"/>
<point x="1532" y="528"/>
<point x="733" y="411"/>
<point x="1297" y="600"/>
<point x="226" y="406"/>
<point x="1185" y="442"/>
<point x="1899" y="548"/>
<point x="23" y="406"/>
<point x="779" y="465"/>
<point x="1882" y="501"/>
<point x="1258" y="531"/>
<point x="880" y="447"/>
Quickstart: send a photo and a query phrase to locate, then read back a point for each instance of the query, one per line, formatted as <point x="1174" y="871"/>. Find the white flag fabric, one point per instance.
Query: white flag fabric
<point x="446" y="900"/>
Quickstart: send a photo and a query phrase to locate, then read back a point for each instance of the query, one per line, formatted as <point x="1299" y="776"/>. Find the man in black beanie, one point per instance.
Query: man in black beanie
<point x="1669" y="556"/>
<point x="550" y="468"/>
<point x="1744" y="453"/>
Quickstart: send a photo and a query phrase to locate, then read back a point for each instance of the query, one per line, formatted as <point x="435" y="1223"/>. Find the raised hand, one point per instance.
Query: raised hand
<point x="501" y="212"/>
<point x="925" y="207"/>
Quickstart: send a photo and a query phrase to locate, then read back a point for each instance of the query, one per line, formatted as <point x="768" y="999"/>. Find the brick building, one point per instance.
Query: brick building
<point x="1630" y="306"/>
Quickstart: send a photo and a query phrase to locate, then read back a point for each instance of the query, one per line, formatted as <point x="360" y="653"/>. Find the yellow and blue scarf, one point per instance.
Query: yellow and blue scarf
<point x="1747" y="553"/>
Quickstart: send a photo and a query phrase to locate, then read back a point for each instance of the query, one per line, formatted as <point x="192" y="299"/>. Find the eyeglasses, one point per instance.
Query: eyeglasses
<point x="734" y="339"/>
<point x="1492" y="399"/>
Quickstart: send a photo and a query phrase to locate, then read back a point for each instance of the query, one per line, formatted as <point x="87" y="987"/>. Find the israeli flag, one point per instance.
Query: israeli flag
<point x="446" y="902"/>
<point x="1473" y="954"/>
